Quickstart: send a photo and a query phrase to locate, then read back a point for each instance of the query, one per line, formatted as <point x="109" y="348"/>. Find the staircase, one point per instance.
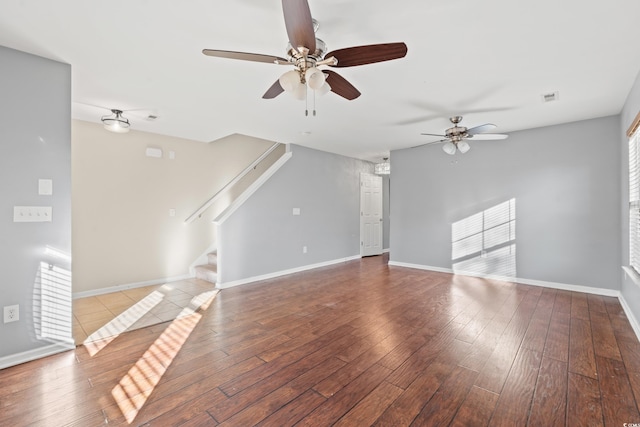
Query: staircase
<point x="209" y="271"/>
<point x="242" y="185"/>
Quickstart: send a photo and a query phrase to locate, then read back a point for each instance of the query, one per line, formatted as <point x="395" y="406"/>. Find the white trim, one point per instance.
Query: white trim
<point x="221" y="285"/>
<point x="220" y="252"/>
<point x="253" y="187"/>
<point x="553" y="285"/>
<point x="632" y="319"/>
<point x="420" y="267"/>
<point x="574" y="288"/>
<point x="38" y="353"/>
<point x="631" y="274"/>
<point x="385" y="251"/>
<point x="126" y="286"/>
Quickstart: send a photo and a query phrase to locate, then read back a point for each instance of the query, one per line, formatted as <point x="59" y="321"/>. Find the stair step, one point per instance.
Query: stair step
<point x="212" y="258"/>
<point x="208" y="272"/>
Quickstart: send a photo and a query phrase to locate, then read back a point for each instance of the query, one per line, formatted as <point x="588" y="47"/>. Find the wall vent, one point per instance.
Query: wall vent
<point x="550" y="97"/>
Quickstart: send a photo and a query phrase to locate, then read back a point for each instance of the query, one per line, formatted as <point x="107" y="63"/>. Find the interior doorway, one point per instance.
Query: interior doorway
<point x="370" y="214"/>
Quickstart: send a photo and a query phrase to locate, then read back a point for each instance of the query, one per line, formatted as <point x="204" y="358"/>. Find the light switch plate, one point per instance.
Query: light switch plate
<point x="45" y="187"/>
<point x="32" y="213"/>
<point x="296" y="211"/>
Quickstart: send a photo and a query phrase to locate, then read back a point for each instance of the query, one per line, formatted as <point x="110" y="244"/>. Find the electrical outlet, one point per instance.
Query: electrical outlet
<point x="11" y="313"/>
<point x="304" y="249"/>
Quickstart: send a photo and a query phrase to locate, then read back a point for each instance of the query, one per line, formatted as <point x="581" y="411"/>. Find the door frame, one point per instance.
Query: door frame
<point x="365" y="180"/>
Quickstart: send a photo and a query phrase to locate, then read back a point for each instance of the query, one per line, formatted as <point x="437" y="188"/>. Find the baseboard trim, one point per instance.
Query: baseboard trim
<point x="574" y="288"/>
<point x="30" y="355"/>
<point x="632" y="319"/>
<point x="420" y="267"/>
<point x="553" y="285"/>
<point x="126" y="286"/>
<point x="225" y="285"/>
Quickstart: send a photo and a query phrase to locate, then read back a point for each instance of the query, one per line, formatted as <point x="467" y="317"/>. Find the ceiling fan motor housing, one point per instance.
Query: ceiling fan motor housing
<point x="456" y="133"/>
<point x="300" y="52"/>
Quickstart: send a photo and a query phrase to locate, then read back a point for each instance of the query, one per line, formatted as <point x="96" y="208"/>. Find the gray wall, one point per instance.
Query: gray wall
<point x="565" y="180"/>
<point x="263" y="236"/>
<point x="629" y="289"/>
<point x="35" y="114"/>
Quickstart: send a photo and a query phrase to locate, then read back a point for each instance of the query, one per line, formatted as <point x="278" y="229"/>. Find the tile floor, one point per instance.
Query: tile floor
<point x="110" y="314"/>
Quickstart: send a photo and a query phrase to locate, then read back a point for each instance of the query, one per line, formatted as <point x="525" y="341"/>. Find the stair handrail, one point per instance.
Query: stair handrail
<point x="238" y="177"/>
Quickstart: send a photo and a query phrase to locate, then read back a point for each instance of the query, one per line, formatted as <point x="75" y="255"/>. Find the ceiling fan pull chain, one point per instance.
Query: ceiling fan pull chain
<point x="306" y="101"/>
<point x="314" y="103"/>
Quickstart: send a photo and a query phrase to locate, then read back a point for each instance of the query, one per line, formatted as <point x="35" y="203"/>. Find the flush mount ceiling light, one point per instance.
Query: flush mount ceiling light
<point x="383" y="168"/>
<point x="115" y="122"/>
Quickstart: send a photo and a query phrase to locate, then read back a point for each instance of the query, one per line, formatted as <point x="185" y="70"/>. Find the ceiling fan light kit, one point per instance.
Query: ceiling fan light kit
<point x="463" y="146"/>
<point x="115" y="122"/>
<point x="295" y="82"/>
<point x="449" y="148"/>
<point x="315" y="78"/>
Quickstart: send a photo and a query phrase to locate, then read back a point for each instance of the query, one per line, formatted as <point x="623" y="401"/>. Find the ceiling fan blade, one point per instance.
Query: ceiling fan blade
<point x="429" y="143"/>
<point x="255" y="57"/>
<point x="297" y="19"/>
<point x="480" y="129"/>
<point x="417" y="120"/>
<point x="360" y="55"/>
<point x="487" y="136"/>
<point x="434" y="134"/>
<point x="341" y="86"/>
<point x="275" y="90"/>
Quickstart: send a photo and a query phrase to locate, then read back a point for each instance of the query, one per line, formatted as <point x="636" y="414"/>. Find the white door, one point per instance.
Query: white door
<point x="370" y="214"/>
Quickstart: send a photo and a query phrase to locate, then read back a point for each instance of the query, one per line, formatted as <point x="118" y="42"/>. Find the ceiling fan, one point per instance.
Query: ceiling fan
<point x="306" y="53"/>
<point x="456" y="137"/>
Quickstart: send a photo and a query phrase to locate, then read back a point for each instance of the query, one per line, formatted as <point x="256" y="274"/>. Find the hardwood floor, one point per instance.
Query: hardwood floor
<point x="98" y="316"/>
<point x="355" y="344"/>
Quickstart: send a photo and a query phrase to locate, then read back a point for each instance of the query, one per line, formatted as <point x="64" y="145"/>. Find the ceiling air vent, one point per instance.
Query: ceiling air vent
<point x="550" y="97"/>
<point x="151" y="117"/>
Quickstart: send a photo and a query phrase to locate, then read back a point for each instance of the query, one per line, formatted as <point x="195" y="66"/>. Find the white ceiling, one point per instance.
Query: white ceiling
<point x="489" y="61"/>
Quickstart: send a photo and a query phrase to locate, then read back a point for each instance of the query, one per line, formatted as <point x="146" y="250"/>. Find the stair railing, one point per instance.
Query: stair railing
<point x="206" y="205"/>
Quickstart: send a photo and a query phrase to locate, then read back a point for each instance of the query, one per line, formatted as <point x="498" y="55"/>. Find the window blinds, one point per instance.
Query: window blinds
<point x="634" y="201"/>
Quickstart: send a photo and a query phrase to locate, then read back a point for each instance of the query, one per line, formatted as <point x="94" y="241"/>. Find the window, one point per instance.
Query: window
<point x="634" y="195"/>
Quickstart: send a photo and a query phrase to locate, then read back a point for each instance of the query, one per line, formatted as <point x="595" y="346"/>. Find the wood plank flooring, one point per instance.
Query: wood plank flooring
<point x="355" y="344"/>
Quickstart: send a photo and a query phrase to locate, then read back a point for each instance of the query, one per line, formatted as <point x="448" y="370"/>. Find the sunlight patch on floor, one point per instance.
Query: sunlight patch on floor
<point x="103" y="336"/>
<point x="136" y="386"/>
